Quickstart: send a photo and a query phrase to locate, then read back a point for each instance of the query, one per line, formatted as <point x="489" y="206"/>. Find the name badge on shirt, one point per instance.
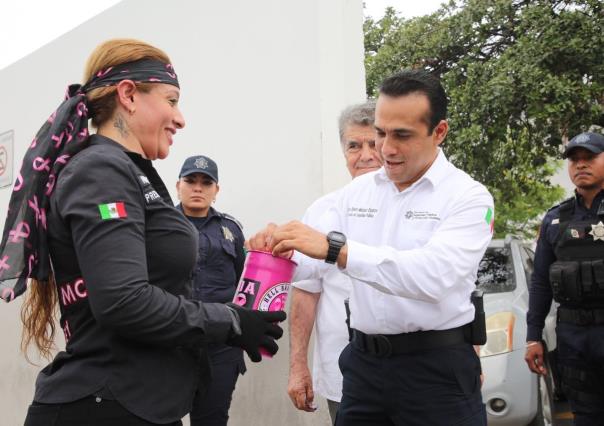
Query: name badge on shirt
<point x="365" y="212"/>
<point x="151" y="196"/>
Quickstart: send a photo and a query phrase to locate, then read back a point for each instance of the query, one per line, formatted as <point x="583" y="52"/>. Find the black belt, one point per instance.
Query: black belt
<point x="581" y="316"/>
<point x="384" y="345"/>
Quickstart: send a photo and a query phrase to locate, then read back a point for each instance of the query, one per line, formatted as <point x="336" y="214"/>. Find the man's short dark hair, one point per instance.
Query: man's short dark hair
<point x="419" y="81"/>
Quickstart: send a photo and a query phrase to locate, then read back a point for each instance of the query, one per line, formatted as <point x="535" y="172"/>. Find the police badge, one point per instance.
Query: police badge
<point x="201" y="163"/>
<point x="228" y="235"/>
<point x="597" y="231"/>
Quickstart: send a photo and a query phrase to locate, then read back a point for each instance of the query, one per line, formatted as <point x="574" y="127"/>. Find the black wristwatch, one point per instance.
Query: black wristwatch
<point x="336" y="241"/>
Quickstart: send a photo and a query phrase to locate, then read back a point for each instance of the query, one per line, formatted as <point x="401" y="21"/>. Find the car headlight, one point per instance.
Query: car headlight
<point x="500" y="334"/>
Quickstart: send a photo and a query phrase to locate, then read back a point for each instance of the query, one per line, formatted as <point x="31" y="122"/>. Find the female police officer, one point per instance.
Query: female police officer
<point x="121" y="254"/>
<point x="219" y="266"/>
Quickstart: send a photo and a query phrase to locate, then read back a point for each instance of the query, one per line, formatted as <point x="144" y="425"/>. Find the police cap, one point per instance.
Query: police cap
<point x="593" y="142"/>
<point x="199" y="164"/>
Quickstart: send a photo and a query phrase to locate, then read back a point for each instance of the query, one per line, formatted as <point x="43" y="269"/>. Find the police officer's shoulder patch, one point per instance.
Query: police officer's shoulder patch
<point x="144" y="179"/>
<point x="232" y="219"/>
<point x="149" y="193"/>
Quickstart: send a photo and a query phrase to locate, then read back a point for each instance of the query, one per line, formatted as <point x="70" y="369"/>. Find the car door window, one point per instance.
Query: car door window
<point x="495" y="271"/>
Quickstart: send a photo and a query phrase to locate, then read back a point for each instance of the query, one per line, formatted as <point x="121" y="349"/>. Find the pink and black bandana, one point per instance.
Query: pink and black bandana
<point x="24" y="248"/>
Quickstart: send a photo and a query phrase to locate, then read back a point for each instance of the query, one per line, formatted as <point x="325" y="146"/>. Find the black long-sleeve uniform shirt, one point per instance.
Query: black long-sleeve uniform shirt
<point x="540" y="291"/>
<point x="123" y="257"/>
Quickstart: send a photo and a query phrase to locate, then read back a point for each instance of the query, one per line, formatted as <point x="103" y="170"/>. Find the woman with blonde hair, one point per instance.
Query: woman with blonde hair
<point x="92" y="227"/>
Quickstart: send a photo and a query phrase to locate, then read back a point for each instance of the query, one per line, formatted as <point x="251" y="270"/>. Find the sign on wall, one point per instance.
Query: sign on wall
<point x="6" y="158"/>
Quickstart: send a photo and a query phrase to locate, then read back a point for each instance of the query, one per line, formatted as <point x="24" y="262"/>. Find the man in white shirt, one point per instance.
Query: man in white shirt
<point x="321" y="301"/>
<point x="410" y="236"/>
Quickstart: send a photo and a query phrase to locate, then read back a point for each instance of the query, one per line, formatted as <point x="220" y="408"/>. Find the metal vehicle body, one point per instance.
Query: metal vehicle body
<point x="513" y="395"/>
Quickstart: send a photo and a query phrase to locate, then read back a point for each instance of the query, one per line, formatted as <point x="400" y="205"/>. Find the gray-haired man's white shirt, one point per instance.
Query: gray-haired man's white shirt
<point x="331" y="333"/>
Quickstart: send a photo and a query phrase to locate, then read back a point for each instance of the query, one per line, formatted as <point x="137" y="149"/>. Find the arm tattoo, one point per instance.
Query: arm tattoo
<point x="121" y="125"/>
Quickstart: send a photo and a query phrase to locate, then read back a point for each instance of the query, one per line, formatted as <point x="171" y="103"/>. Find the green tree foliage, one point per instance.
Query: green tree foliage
<point x="522" y="77"/>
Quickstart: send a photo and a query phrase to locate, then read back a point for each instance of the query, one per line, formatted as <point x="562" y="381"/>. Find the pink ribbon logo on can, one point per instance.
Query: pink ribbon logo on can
<point x="264" y="282"/>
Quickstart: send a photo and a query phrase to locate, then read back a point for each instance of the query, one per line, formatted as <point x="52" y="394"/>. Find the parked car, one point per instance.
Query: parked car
<point x="513" y="395"/>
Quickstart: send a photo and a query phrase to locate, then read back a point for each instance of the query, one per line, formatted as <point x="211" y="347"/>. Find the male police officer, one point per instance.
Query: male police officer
<point x="323" y="298"/>
<point x="410" y="236"/>
<point x="569" y="266"/>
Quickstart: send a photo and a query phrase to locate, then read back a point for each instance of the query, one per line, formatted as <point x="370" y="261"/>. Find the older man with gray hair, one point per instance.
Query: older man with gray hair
<point x="320" y="302"/>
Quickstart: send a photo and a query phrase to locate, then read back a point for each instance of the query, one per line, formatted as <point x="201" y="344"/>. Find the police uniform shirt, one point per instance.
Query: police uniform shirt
<point x="220" y="259"/>
<point x="540" y="289"/>
<point x="331" y="333"/>
<point x="123" y="259"/>
<point x="413" y="255"/>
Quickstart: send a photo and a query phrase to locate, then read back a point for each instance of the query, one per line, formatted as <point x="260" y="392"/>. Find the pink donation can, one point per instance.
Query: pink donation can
<point x="264" y="283"/>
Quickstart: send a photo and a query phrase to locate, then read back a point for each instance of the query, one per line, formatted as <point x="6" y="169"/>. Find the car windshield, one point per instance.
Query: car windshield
<point x="495" y="273"/>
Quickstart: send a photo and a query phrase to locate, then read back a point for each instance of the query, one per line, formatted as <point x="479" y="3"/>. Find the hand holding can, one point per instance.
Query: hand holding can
<point x="264" y="283"/>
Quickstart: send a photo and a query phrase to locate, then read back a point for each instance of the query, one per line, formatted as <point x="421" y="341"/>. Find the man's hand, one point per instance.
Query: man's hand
<point x="534" y="357"/>
<point x="477" y="350"/>
<point x="283" y="240"/>
<point x="303" y="309"/>
<point x="297" y="236"/>
<point x="261" y="240"/>
<point x="299" y="388"/>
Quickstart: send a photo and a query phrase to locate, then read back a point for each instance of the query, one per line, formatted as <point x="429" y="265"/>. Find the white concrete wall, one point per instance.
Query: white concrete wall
<point x="262" y="85"/>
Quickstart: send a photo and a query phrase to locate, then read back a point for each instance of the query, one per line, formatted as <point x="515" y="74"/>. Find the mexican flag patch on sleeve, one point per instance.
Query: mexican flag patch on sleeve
<point x="112" y="211"/>
<point x="489" y="218"/>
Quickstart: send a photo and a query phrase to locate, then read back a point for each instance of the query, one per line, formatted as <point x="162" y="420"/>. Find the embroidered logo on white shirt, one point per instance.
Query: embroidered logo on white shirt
<point x="421" y="215"/>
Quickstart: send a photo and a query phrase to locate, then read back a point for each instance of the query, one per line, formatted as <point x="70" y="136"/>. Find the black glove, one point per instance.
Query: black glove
<point x="256" y="329"/>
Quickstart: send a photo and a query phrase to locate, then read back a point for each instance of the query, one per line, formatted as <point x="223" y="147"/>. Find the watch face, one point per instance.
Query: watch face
<point x="337" y="237"/>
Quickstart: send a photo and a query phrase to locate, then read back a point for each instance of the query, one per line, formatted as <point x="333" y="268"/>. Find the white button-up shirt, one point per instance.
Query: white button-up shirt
<point x="331" y="334"/>
<point x="413" y="255"/>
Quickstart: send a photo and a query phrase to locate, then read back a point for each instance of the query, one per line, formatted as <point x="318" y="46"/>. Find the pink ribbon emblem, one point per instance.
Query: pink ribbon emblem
<point x="30" y="264"/>
<point x="69" y="134"/>
<point x="40" y="164"/>
<point x="58" y="139"/>
<point x="21" y="231"/>
<point x="171" y="74"/>
<point x="40" y="212"/>
<point x="4" y="263"/>
<point x="82" y="109"/>
<point x="103" y="73"/>
<point x="18" y="183"/>
<point x="50" y="184"/>
<point x="62" y="159"/>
